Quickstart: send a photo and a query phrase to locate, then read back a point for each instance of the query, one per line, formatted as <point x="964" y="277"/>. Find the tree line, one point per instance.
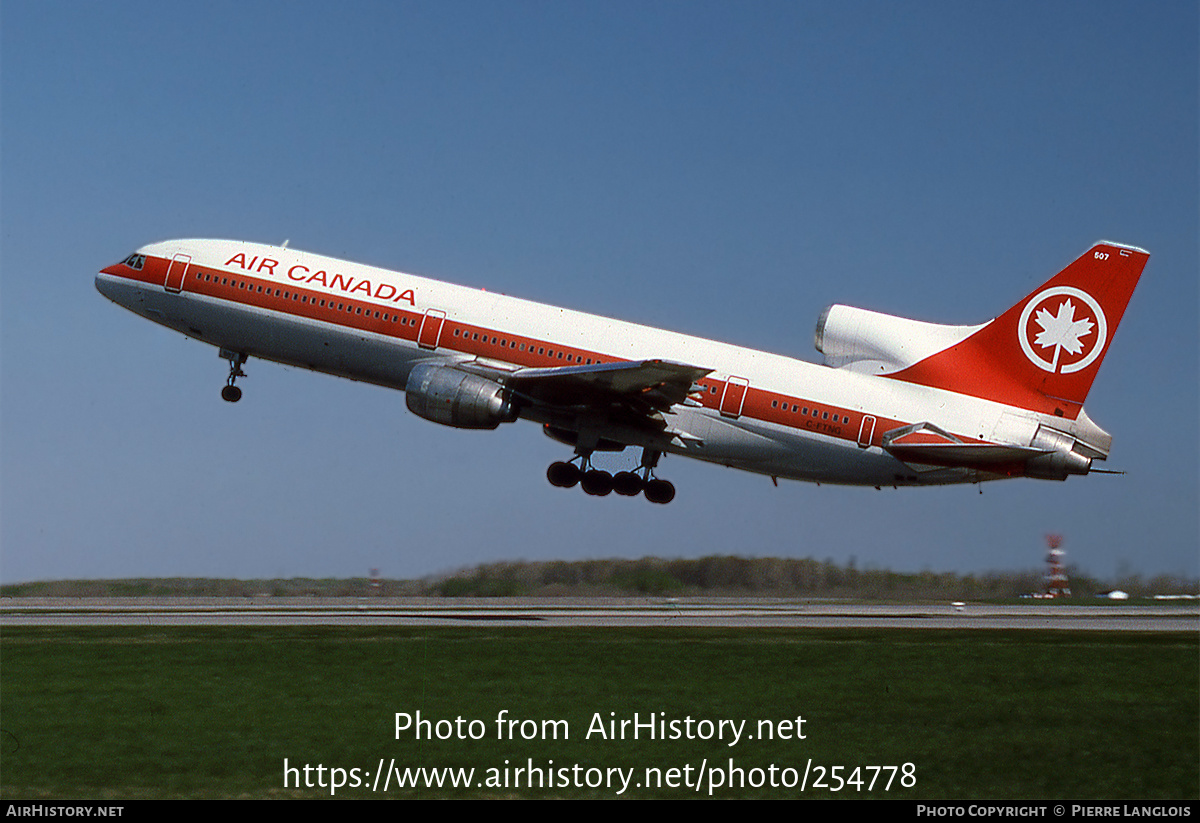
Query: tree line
<point x="711" y="576"/>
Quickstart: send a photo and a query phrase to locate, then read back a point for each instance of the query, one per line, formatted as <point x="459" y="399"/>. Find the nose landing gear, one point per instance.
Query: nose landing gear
<point x="231" y="393"/>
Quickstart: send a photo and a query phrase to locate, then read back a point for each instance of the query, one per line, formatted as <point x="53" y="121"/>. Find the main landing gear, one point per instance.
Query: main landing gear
<point x="596" y="482"/>
<point x="231" y="393"/>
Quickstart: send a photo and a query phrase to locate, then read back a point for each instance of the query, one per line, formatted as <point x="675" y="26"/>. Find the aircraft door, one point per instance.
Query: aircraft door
<point x="176" y="271"/>
<point x="734" y="396"/>
<point x="866" y="431"/>
<point x="430" y="332"/>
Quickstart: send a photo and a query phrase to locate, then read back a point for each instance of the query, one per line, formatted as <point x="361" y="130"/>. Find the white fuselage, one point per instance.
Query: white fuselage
<point x="755" y="411"/>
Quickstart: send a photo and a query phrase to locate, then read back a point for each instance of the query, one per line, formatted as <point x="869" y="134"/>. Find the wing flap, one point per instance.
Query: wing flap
<point x="645" y="384"/>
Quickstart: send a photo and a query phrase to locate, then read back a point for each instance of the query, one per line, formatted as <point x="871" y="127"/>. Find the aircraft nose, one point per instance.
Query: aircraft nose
<point x="105" y="285"/>
<point x="113" y="284"/>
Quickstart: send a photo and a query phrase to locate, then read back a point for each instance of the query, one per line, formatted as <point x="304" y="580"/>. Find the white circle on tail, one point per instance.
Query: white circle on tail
<point x="1062" y="330"/>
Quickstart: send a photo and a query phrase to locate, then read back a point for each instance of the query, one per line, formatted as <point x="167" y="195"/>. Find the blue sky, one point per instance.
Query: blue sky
<point x="721" y="169"/>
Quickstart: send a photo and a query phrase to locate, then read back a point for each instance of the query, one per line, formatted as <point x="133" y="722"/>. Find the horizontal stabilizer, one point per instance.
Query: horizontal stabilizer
<point x="927" y="444"/>
<point x="980" y="455"/>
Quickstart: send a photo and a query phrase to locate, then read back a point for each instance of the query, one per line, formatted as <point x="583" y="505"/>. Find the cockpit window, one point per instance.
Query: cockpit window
<point x="135" y="261"/>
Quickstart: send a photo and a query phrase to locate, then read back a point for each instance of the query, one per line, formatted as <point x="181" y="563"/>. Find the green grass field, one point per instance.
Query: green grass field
<point x="214" y="711"/>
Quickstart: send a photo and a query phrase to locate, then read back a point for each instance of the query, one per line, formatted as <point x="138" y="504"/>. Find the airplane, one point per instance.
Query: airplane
<point x="895" y="402"/>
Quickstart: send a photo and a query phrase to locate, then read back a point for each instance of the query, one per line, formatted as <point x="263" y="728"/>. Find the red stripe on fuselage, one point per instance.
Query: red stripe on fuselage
<point x="250" y="289"/>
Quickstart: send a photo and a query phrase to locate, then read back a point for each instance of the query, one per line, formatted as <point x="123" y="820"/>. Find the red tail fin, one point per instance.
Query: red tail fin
<point x="1044" y="352"/>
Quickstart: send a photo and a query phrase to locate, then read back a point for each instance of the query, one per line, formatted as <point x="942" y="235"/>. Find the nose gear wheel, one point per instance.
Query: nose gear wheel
<point x="230" y="393"/>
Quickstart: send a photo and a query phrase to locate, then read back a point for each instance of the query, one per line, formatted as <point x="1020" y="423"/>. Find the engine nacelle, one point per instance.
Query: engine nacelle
<point x="457" y="398"/>
<point x="1063" y="460"/>
<point x="874" y="343"/>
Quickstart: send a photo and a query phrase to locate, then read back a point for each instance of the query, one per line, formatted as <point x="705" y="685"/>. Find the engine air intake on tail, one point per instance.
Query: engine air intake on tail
<point x="872" y="343"/>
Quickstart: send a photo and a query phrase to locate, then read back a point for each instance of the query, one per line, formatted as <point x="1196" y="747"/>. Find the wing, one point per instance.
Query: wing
<point x="617" y="396"/>
<point x="644" y="385"/>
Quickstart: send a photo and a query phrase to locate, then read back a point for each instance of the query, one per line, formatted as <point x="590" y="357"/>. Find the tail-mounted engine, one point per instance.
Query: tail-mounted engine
<point x="457" y="398"/>
<point x="873" y="343"/>
<point x="1062" y="457"/>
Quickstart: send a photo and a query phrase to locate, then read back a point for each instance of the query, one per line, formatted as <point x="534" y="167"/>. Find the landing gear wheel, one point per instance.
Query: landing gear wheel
<point x="627" y="484"/>
<point x="563" y="475"/>
<point x="597" y="482"/>
<point x="660" y="491"/>
<point x="232" y="393"/>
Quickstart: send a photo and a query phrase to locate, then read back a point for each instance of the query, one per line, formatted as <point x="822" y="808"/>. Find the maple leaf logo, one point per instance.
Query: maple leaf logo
<point x="1062" y="330"/>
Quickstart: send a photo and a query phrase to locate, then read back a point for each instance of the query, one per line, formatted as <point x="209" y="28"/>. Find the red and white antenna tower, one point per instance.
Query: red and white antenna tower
<point x="1057" y="584"/>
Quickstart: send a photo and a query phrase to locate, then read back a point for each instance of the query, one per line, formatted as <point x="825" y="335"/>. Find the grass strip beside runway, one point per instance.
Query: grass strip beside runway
<point x="214" y="711"/>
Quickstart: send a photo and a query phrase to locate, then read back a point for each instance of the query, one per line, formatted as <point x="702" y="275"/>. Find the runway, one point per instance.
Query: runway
<point x="614" y="612"/>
